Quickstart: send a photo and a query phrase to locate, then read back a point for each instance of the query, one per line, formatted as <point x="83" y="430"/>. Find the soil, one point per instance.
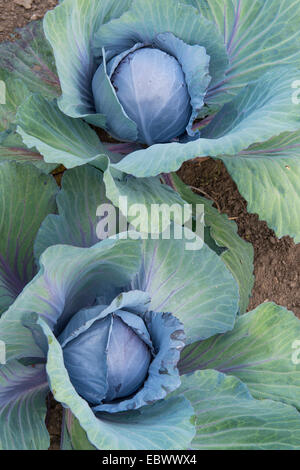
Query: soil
<point x="17" y="13"/>
<point x="277" y="262"/>
<point x="54" y="421"/>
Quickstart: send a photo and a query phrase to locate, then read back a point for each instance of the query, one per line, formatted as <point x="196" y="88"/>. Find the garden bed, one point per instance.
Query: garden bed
<point x="276" y="262"/>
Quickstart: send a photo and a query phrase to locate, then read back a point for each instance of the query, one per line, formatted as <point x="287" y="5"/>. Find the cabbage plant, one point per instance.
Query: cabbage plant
<point x="170" y="81"/>
<point x="139" y="340"/>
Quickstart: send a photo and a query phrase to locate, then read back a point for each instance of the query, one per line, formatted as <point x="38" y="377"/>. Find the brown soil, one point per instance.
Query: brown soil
<point x="277" y="262"/>
<point x="17" y="13"/>
<point x="54" y="422"/>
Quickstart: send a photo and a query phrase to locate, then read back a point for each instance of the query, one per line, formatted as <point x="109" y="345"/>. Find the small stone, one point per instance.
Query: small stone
<point x="27" y="4"/>
<point x="34" y="17"/>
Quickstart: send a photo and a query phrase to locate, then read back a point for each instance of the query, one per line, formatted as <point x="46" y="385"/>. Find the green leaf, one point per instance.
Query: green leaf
<point x="19" y="343"/>
<point x="238" y="255"/>
<point x="137" y="197"/>
<point x="228" y="417"/>
<point x="23" y="409"/>
<point x="13" y="149"/>
<point x="69" y="279"/>
<point x="259" y="351"/>
<point x="194" y="285"/>
<point x="66" y="442"/>
<point x="71" y="27"/>
<point x="258" y="34"/>
<point x="238" y="125"/>
<point x="15" y="93"/>
<point x="27" y="196"/>
<point x="78" y="436"/>
<point x="76" y="223"/>
<point x="267" y="175"/>
<point x="30" y="59"/>
<point x="59" y="138"/>
<point x="164" y="425"/>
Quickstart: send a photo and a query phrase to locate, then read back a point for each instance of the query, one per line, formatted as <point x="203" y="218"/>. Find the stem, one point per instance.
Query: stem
<point x="167" y="178"/>
<point x="63" y="429"/>
<point x="199" y="190"/>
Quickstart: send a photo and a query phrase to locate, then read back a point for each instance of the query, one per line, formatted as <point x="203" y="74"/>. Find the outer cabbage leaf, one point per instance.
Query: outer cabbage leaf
<point x="76" y="223"/>
<point x="273" y="192"/>
<point x="65" y="438"/>
<point x="70" y="278"/>
<point x="142" y="196"/>
<point x="259" y="351"/>
<point x="71" y="26"/>
<point x="12" y="148"/>
<point x="84" y="189"/>
<point x="164" y="425"/>
<point x="59" y="138"/>
<point x="30" y="59"/>
<point x="236" y="253"/>
<point x="15" y="93"/>
<point x="23" y="393"/>
<point x="27" y="196"/>
<point x="228" y="417"/>
<point x="258" y="34"/>
<point x="210" y="300"/>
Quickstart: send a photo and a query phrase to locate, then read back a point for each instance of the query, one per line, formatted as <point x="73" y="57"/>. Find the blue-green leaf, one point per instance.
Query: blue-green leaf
<point x="23" y="393"/>
<point x="258" y="34"/>
<point x="118" y="123"/>
<point x="59" y="138"/>
<point x="238" y="255"/>
<point x="267" y="175"/>
<point x="70" y="278"/>
<point x="227" y="417"/>
<point x="259" y="351"/>
<point x="71" y="27"/>
<point x="194" y="285"/>
<point x="238" y="125"/>
<point x="76" y="223"/>
<point x="30" y="59"/>
<point x="137" y="199"/>
<point x="15" y="93"/>
<point x="27" y="196"/>
<point x="13" y="149"/>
